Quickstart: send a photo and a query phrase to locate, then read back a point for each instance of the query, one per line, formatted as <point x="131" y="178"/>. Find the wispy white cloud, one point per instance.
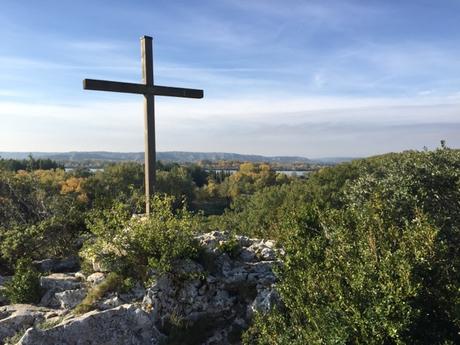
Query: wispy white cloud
<point x="310" y="127"/>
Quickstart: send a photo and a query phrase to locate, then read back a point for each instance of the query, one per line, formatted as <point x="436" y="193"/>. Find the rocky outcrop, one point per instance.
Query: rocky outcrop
<point x="18" y="317"/>
<point x="118" y="326"/>
<point x="95" y="278"/>
<point x="70" y="264"/>
<point x="69" y="299"/>
<point x="209" y="300"/>
<point x="56" y="283"/>
<point x="212" y="301"/>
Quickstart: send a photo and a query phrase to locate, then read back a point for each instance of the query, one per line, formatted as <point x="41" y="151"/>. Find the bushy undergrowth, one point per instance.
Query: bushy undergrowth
<point x="25" y="284"/>
<point x="132" y="245"/>
<point x="258" y="215"/>
<point x="378" y="262"/>
<point x="40" y="216"/>
<point x="372" y="247"/>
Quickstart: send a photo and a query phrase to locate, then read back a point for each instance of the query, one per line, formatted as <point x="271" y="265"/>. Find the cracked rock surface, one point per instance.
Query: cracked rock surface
<point x="208" y="301"/>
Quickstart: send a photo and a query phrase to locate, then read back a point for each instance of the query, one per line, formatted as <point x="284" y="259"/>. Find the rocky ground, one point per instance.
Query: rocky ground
<point x="206" y="302"/>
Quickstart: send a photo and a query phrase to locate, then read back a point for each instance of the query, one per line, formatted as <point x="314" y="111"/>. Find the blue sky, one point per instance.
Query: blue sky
<point x="310" y="78"/>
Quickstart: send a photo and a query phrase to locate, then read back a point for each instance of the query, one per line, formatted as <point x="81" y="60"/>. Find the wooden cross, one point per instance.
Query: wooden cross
<point x="149" y="90"/>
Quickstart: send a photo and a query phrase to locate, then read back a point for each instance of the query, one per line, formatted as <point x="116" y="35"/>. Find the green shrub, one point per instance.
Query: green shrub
<point x="231" y="247"/>
<point x="378" y="262"/>
<point x="131" y="245"/>
<point x="258" y="215"/>
<point x="38" y="220"/>
<point x="348" y="279"/>
<point x="25" y="285"/>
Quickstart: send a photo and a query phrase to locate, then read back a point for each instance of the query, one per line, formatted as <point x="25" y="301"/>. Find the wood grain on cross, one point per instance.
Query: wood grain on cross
<point x="149" y="90"/>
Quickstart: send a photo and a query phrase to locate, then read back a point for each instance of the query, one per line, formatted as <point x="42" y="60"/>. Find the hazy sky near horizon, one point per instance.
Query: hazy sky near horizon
<point x="311" y="78"/>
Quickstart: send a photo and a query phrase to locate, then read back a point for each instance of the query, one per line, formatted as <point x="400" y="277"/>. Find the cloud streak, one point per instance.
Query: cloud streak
<point x="309" y="127"/>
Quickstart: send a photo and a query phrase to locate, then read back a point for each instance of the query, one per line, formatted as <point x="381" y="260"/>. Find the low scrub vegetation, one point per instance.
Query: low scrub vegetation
<point x="378" y="262"/>
<point x="132" y="245"/>
<point x="24" y="287"/>
<point x="371" y="247"/>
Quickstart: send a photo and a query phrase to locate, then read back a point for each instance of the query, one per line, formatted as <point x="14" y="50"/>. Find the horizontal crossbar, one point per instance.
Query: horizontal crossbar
<point x="115" y="86"/>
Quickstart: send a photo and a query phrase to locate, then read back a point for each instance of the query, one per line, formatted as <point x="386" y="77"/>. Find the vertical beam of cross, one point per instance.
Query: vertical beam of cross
<point x="149" y="90"/>
<point x="149" y="121"/>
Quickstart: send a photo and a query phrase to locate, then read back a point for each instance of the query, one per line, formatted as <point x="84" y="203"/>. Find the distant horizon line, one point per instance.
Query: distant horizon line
<point x="179" y="151"/>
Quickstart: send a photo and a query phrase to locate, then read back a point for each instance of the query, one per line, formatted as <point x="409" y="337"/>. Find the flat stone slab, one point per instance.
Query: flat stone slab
<point x="70" y="264"/>
<point x="119" y="326"/>
<point x="17" y="317"/>
<point x="60" y="282"/>
<point x="69" y="299"/>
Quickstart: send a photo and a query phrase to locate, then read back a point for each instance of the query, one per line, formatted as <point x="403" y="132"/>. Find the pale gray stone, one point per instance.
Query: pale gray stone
<point x="69" y="299"/>
<point x="17" y="317"/>
<point x="135" y="294"/>
<point x="70" y="264"/>
<point x="55" y="283"/>
<point x="265" y="300"/>
<point x="49" y="299"/>
<point x="3" y="281"/>
<point x="247" y="255"/>
<point x="110" y="303"/>
<point x="80" y="276"/>
<point x="119" y="326"/>
<point x="221" y="299"/>
<point x="224" y="300"/>
<point x="95" y="278"/>
<point x="60" y="282"/>
<point x="268" y="254"/>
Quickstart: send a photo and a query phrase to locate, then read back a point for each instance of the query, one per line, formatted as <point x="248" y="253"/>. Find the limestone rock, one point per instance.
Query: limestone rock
<point x="109" y="303"/>
<point x="69" y="299"/>
<point x="70" y="264"/>
<point x="80" y="276"/>
<point x="3" y="299"/>
<point x="135" y="294"/>
<point x="95" y="278"/>
<point x="55" y="283"/>
<point x="49" y="300"/>
<point x="219" y="302"/>
<point x="4" y="279"/>
<point x="60" y="282"/>
<point x="265" y="300"/>
<point x="17" y="317"/>
<point x="207" y="301"/>
<point x="123" y="325"/>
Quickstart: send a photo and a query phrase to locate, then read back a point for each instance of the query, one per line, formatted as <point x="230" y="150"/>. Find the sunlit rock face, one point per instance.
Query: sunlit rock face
<point x="209" y="300"/>
<point x="218" y="295"/>
<point x="118" y="326"/>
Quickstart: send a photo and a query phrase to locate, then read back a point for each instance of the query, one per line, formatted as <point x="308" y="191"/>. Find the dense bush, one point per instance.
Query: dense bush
<point x="29" y="164"/>
<point x="122" y="182"/>
<point x="380" y="264"/>
<point x="25" y="284"/>
<point x="259" y="215"/>
<point x="131" y="245"/>
<point x="250" y="178"/>
<point x="41" y="215"/>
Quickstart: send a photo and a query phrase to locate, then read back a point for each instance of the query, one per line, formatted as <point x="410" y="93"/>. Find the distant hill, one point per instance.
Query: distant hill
<point x="172" y="156"/>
